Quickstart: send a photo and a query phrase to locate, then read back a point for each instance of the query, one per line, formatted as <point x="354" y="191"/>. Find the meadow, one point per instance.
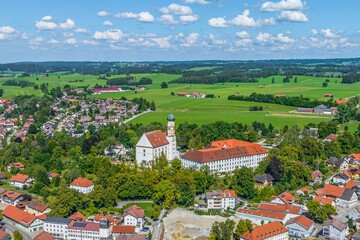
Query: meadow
<point x="209" y="110"/>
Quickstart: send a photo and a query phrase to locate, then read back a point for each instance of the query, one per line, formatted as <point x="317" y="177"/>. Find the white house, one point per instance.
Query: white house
<point x="354" y="213"/>
<point x="300" y="227"/>
<point x="225" y="156"/>
<point x="153" y="144"/>
<point x="336" y="230"/>
<point x="22" y="220"/>
<point x="270" y="231"/>
<point x="78" y="230"/>
<point x="57" y="227"/>
<point x="262" y="216"/>
<point x="341" y="178"/>
<point x="134" y="216"/>
<point x="221" y="199"/>
<point x="348" y="199"/>
<point x="11" y="197"/>
<point x="82" y="185"/>
<point x="20" y="180"/>
<point x="284" y="198"/>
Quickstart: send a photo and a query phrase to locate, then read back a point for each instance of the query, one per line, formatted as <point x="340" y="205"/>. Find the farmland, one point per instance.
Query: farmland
<point x="209" y="110"/>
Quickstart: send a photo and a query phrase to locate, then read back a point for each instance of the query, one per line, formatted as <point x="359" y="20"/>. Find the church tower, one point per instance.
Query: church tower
<point x="171" y="137"/>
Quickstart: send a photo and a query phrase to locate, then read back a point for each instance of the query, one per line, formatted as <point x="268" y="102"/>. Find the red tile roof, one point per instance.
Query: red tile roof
<point x="315" y="174"/>
<point x="3" y="234"/>
<point x="19" y="178"/>
<point x="225" y="149"/>
<point x="11" y="195"/>
<point x="323" y="200"/>
<point x="332" y="137"/>
<point x="351" y="184"/>
<point x="280" y="208"/>
<point x="19" y="216"/>
<point x="81" y="182"/>
<point x="263" y="213"/>
<point x="330" y="190"/>
<point x="16" y="165"/>
<point x="304" y="189"/>
<point x="135" y="211"/>
<point x="33" y="204"/>
<point x="265" y="231"/>
<point x="123" y="229"/>
<point x="228" y="194"/>
<point x="77" y="217"/>
<point x="111" y="219"/>
<point x="302" y="221"/>
<point x="53" y="175"/>
<point x="44" y="236"/>
<point x="287" y="197"/>
<point x="355" y="156"/>
<point x="157" y="138"/>
<point x="344" y="101"/>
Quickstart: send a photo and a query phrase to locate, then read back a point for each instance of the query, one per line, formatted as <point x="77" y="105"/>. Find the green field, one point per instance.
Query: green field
<point x="202" y="111"/>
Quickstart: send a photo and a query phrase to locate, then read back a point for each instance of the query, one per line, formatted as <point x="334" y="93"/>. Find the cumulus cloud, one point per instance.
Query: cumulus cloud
<point x="266" y="21"/>
<point x="214" y="40"/>
<point x="89" y="42"/>
<point x="53" y="41"/>
<point x="47" y="18"/>
<point x="219" y="22"/>
<point x="70" y="41"/>
<point x="314" y="32"/>
<point x="284" y="39"/>
<point x="202" y="2"/>
<point x="176" y="9"/>
<point x="188" y="18"/>
<point x="7" y="30"/>
<point x="107" y="23"/>
<point x="190" y="40"/>
<point x="36" y="41"/>
<point x="244" y="20"/>
<point x="68" y="24"/>
<point x="167" y="18"/>
<point x="80" y="30"/>
<point x="329" y="33"/>
<point x="46" y="23"/>
<point x="243" y="42"/>
<point x="264" y="37"/>
<point x="293" y="16"/>
<point x="141" y="17"/>
<point x="242" y="34"/>
<point x="162" y="42"/>
<point x="112" y="34"/>
<point x="103" y="14"/>
<point x="282" y="5"/>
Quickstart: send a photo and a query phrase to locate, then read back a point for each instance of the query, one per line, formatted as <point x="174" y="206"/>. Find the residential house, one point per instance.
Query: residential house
<point x="220" y="199"/>
<point x="82" y="185"/>
<point x="330" y="138"/>
<point x="354" y="213"/>
<point x="260" y="216"/>
<point x="263" y="180"/>
<point x="122" y="230"/>
<point x="341" y="178"/>
<point x="88" y="230"/>
<point x="35" y="208"/>
<point x="270" y="231"/>
<point x="52" y="175"/>
<point x="20" y="180"/>
<point x="322" y="109"/>
<point x="183" y="94"/>
<point x="338" y="162"/>
<point x="57" y="227"/>
<point x="44" y="236"/>
<point x="300" y="227"/>
<point x="290" y="210"/>
<point x="22" y="220"/>
<point x="316" y="177"/>
<point x="112" y="220"/>
<point x="329" y="95"/>
<point x="344" y="197"/>
<point x="354" y="158"/>
<point x="341" y="101"/>
<point x="324" y="200"/>
<point x="134" y="216"/>
<point x="4" y="235"/>
<point x="15" y="165"/>
<point x="77" y="216"/>
<point x="302" y="191"/>
<point x="225" y="156"/>
<point x="132" y="237"/>
<point x="2" y="176"/>
<point x="284" y="198"/>
<point x="11" y="197"/>
<point x="336" y="230"/>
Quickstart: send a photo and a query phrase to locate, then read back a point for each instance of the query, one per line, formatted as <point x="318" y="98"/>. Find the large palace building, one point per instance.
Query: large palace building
<point x="225" y="156"/>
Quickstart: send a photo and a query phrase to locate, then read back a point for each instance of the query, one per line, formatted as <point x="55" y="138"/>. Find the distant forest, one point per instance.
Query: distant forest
<point x="198" y="71"/>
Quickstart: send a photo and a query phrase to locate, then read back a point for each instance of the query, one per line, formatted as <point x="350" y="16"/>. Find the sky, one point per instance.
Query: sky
<point x="172" y="30"/>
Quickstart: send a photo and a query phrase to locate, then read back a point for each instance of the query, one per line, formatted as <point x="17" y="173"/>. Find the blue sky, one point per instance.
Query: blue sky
<point x="151" y="30"/>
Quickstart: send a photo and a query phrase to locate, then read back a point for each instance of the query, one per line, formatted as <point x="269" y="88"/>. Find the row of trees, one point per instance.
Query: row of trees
<point x="351" y="78"/>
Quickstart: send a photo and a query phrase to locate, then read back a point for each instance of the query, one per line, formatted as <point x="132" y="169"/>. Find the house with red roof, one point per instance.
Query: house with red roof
<point x="107" y="89"/>
<point x="36" y="208"/>
<point x="82" y="185"/>
<point x="153" y="145"/>
<point x="4" y="235"/>
<point x="220" y="199"/>
<point x="343" y="197"/>
<point x="22" y="220"/>
<point x="15" y="165"/>
<point x="354" y="158"/>
<point x="122" y="230"/>
<point x="284" y="198"/>
<point x="44" y="236"/>
<point x="225" y="156"/>
<point x="77" y="216"/>
<point x="113" y="220"/>
<point x="341" y="101"/>
<point x="300" y="227"/>
<point x="330" y="138"/>
<point x="263" y="215"/>
<point x="52" y="175"/>
<point x="270" y="231"/>
<point x="20" y="180"/>
<point x="316" y="177"/>
<point x="88" y="230"/>
<point x="134" y="216"/>
<point x="11" y="197"/>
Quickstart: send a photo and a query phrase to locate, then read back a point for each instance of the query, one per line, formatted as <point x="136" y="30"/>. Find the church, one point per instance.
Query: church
<point x="153" y="144"/>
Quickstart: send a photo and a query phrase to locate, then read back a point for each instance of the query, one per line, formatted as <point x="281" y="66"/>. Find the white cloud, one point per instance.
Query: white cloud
<point x="266" y="21"/>
<point x="244" y="20"/>
<point x="242" y="34"/>
<point x="7" y="30"/>
<point x="216" y="41"/>
<point x="36" y="41"/>
<point x="80" y="30"/>
<point x="314" y="32"/>
<point x="284" y="39"/>
<point x="190" y="40"/>
<point x="219" y="22"/>
<point x="47" y="18"/>
<point x="328" y="33"/>
<point x="53" y="41"/>
<point x="282" y="5"/>
<point x="293" y="16"/>
<point x="162" y="42"/>
<point x="90" y="42"/>
<point x="45" y="23"/>
<point x="107" y="23"/>
<point x="103" y="14"/>
<point x="166" y="18"/>
<point x="264" y="37"/>
<point x="68" y="24"/>
<point x="189" y="18"/>
<point x="71" y="41"/>
<point x="113" y="34"/>
<point x="176" y="9"/>
<point x="68" y="34"/>
<point x="141" y="17"/>
<point x="243" y="42"/>
<point x="202" y="2"/>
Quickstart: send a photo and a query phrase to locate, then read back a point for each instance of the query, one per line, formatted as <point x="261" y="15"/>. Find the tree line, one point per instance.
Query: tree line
<point x="351" y="78"/>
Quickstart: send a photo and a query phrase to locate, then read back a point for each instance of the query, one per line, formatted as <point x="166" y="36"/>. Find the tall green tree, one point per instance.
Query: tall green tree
<point x="243" y="182"/>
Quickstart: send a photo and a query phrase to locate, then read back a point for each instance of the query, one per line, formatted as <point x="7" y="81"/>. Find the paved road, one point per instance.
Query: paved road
<point x="135" y="116"/>
<point x="10" y="228"/>
<point x="158" y="225"/>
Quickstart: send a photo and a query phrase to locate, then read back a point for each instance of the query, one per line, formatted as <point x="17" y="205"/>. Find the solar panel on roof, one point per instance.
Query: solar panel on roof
<point x="79" y="224"/>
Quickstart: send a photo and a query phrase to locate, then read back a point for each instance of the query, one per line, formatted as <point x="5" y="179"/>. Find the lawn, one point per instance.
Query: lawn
<point x="148" y="207"/>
